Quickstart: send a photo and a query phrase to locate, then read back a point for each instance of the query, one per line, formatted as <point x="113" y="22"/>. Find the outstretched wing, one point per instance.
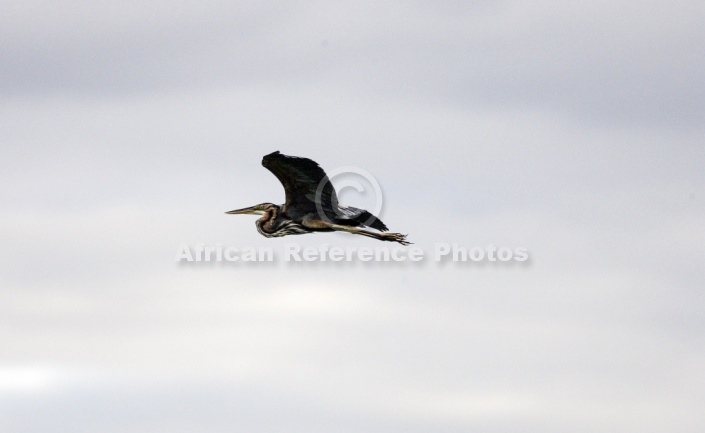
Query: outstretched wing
<point x="305" y="183"/>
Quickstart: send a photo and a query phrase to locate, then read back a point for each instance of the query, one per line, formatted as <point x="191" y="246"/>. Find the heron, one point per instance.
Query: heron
<point x="311" y="204"/>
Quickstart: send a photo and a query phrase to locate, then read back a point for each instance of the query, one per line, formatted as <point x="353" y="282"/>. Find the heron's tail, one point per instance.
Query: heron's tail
<point x="353" y="216"/>
<point x="370" y="220"/>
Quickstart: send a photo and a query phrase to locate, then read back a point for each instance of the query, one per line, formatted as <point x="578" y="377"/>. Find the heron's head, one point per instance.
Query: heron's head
<point x="258" y="209"/>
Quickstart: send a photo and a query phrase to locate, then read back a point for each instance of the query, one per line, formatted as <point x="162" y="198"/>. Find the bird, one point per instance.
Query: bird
<point x="311" y="204"/>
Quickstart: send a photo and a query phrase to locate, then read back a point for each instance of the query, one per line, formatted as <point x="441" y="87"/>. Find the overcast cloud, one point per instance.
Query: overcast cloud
<point x="576" y="131"/>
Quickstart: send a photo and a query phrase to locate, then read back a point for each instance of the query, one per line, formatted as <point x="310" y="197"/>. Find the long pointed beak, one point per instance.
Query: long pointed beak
<point x="246" y="211"/>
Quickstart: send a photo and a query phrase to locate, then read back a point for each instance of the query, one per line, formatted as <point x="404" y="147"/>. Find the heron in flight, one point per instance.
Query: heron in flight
<point x="311" y="204"/>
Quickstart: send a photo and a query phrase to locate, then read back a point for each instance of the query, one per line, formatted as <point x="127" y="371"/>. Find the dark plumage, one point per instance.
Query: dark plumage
<point x="311" y="204"/>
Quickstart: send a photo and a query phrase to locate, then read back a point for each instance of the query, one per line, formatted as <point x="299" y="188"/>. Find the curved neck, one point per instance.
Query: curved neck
<point x="267" y="224"/>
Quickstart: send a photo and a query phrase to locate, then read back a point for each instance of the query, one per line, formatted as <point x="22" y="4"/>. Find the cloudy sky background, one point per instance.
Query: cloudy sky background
<point x="574" y="130"/>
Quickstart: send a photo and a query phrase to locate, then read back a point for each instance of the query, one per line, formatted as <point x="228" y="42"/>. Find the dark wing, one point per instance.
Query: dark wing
<point x="305" y="183"/>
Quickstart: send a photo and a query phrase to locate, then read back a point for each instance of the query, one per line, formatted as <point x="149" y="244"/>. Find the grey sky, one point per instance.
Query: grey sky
<point x="575" y="131"/>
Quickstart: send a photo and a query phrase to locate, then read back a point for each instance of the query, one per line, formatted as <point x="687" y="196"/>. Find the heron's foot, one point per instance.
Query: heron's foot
<point x="395" y="237"/>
